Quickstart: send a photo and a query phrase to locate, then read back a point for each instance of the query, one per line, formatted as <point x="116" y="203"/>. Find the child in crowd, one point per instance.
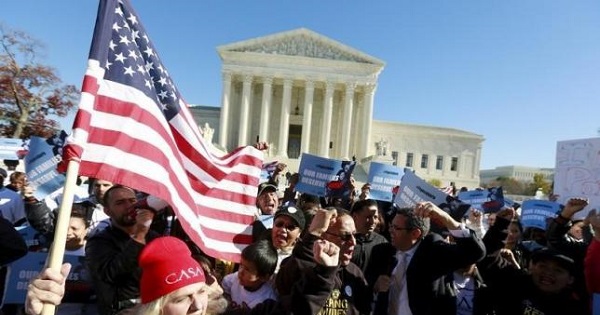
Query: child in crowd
<point x="250" y="285"/>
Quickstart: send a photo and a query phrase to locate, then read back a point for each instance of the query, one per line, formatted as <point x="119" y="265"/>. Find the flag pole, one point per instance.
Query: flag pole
<point x="57" y="250"/>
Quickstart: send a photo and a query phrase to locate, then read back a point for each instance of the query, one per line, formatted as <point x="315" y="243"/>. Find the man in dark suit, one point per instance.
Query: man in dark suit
<point x="414" y="263"/>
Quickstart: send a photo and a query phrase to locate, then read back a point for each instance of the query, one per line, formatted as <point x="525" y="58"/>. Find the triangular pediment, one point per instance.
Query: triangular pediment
<point x="302" y="43"/>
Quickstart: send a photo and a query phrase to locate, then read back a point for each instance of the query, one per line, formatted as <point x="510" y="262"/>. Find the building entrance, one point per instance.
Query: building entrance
<point x="294" y="141"/>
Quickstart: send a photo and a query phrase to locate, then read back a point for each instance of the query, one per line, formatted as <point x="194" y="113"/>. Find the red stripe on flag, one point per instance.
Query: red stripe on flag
<point x="117" y="174"/>
<point x="199" y="159"/>
<point x="90" y="85"/>
<point x="222" y="215"/>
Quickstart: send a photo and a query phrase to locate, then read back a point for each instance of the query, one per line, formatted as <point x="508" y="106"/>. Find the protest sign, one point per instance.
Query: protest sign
<point x="33" y="239"/>
<point x="78" y="287"/>
<point x="267" y="171"/>
<point x="413" y="190"/>
<point x="576" y="173"/>
<point x="12" y="149"/>
<point x="324" y="177"/>
<point x="382" y="179"/>
<point x="486" y="200"/>
<point x="40" y="163"/>
<point x="535" y="213"/>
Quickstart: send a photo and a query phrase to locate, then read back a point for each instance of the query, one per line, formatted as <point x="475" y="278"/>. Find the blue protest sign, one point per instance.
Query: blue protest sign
<point x="12" y="149"/>
<point x="78" y="288"/>
<point x="413" y="190"/>
<point x="596" y="304"/>
<point x="534" y="213"/>
<point x="382" y="179"/>
<point x="267" y="171"/>
<point x="34" y="239"/>
<point x="40" y="163"/>
<point x="474" y="197"/>
<point x="324" y="177"/>
<point x="486" y="200"/>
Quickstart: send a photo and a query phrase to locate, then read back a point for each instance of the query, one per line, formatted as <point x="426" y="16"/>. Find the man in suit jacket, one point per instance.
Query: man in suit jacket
<point x="427" y="257"/>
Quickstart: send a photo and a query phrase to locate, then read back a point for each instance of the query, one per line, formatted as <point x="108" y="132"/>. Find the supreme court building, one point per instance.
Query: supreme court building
<point x="303" y="92"/>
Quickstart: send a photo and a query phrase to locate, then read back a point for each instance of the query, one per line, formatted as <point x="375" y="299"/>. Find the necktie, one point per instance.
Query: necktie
<point x="397" y="283"/>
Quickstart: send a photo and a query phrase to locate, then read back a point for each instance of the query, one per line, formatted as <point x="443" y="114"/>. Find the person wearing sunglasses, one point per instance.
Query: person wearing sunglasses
<point x="347" y="291"/>
<point x="288" y="224"/>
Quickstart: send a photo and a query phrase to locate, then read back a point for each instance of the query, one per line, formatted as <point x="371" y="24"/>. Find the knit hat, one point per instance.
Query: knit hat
<point x="167" y="265"/>
<point x="294" y="213"/>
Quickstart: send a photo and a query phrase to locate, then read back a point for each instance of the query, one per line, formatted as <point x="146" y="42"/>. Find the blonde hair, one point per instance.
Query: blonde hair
<point x="216" y="302"/>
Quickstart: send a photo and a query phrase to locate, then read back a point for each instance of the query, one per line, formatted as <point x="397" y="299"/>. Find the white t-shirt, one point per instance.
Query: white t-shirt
<point x="240" y="296"/>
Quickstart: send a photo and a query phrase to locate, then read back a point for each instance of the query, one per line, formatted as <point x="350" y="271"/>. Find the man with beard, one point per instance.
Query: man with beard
<point x="98" y="218"/>
<point x="349" y="293"/>
<point x="112" y="254"/>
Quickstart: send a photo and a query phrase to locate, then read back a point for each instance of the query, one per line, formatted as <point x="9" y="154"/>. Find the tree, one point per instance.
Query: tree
<point x="539" y="182"/>
<point x="31" y="94"/>
<point x="509" y="185"/>
<point x="435" y="182"/>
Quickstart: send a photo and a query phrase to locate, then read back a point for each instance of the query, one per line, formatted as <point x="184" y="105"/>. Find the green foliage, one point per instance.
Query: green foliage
<point x="540" y="182"/>
<point x="435" y="182"/>
<point x="515" y="187"/>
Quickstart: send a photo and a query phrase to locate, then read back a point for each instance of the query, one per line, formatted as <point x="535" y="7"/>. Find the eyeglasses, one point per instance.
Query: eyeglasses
<point x="344" y="237"/>
<point x="399" y="228"/>
<point x="289" y="227"/>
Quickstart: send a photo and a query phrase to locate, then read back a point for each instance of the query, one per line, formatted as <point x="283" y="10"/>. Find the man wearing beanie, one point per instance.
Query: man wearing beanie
<point x="112" y="254"/>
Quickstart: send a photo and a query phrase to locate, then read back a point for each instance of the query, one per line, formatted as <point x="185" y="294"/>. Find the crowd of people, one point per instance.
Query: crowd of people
<point x="311" y="255"/>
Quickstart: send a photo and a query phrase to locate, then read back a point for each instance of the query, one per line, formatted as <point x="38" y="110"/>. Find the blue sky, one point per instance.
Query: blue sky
<point x="524" y="74"/>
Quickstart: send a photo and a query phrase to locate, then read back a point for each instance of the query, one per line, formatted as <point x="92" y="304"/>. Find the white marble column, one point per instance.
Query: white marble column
<point x="476" y="160"/>
<point x="347" y="121"/>
<point x="461" y="161"/>
<point x="307" y="119"/>
<point x="367" y="118"/>
<point x="224" y="119"/>
<point x="284" y="126"/>
<point x="265" y="108"/>
<point x="245" y="111"/>
<point x="327" y="111"/>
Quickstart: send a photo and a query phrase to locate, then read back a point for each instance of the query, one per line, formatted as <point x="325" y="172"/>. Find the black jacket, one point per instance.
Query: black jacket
<point x="445" y="296"/>
<point x="559" y="239"/>
<point x="432" y="261"/>
<point x="364" y="247"/>
<point x="514" y="290"/>
<point x="515" y="293"/>
<point x="40" y="217"/>
<point x="112" y="258"/>
<point x="341" y="291"/>
<point x="12" y="244"/>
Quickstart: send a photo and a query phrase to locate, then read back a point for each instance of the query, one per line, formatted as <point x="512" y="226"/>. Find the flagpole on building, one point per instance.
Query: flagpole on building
<point x="57" y="251"/>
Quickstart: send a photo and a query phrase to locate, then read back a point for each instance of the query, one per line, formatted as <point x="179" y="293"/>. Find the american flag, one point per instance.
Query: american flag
<point x="134" y="128"/>
<point x="448" y="190"/>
